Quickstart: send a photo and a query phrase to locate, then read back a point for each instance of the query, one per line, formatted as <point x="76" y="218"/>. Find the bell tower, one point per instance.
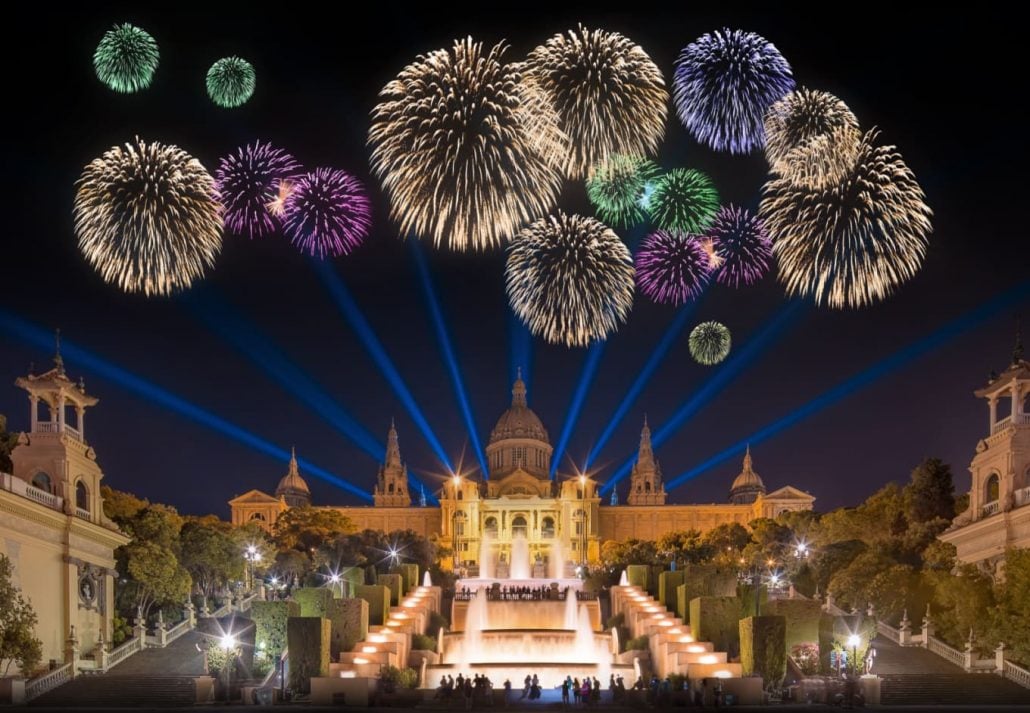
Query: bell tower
<point x="54" y="456"/>
<point x="645" y="484"/>
<point x="392" y="484"/>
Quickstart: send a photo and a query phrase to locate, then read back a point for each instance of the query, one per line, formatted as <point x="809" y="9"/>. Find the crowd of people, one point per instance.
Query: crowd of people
<point x="512" y="593"/>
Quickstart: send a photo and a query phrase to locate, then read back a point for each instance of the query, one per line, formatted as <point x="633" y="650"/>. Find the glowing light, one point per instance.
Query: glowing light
<point x="854" y="640"/>
<point x="252" y="183"/>
<point x="723" y="673"/>
<point x="672" y="268"/>
<point x="147" y="218"/>
<point x="230" y="82"/>
<point x="334" y="578"/>
<point x="361" y="660"/>
<point x="228" y="642"/>
<point x="327" y="213"/>
<point x="368" y="650"/>
<point x="709" y="658"/>
<point x="665" y="622"/>
<point x="811" y="138"/>
<point x="569" y="279"/>
<point x="455" y="141"/>
<point x="724" y="83"/>
<point x="377" y="638"/>
<point x="709" y="343"/>
<point x="851" y="243"/>
<point x="456" y="480"/>
<point x="740" y="245"/>
<point x="683" y="200"/>
<point x="617" y="186"/>
<point x="609" y="95"/>
<point x="715" y="260"/>
<point x="692" y="649"/>
<point x="126" y="58"/>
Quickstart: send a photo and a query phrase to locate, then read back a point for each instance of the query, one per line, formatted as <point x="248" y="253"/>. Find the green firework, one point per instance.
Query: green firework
<point x="684" y="200"/>
<point x="617" y="186"/>
<point x="709" y="343"/>
<point x="230" y="81"/>
<point x="126" y="58"/>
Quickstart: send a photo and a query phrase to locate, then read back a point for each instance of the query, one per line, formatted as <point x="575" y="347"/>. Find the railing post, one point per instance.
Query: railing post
<point x="999" y="659"/>
<point x="71" y="650"/>
<point x="161" y="630"/>
<point x="140" y="629"/>
<point x="967" y="655"/>
<point x="927" y="628"/>
<point x="189" y="613"/>
<point x="204" y="611"/>
<point x="905" y="630"/>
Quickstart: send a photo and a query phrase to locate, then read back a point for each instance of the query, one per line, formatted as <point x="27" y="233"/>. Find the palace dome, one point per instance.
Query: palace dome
<point x="292" y="487"/>
<point x="747" y="486"/>
<point x="519" y="421"/>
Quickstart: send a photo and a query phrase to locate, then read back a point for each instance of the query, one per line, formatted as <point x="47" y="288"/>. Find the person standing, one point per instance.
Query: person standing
<point x="575" y="691"/>
<point x="565" y="692"/>
<point x="507" y="691"/>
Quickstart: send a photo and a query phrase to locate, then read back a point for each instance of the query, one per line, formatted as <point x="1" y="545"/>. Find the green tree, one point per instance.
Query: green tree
<point x="291" y="566"/>
<point x="121" y="507"/>
<point x="18" y="642"/>
<point x="211" y="554"/>
<point x="7" y="443"/>
<point x="156" y="575"/>
<point x="931" y="493"/>
<point x="684" y="546"/>
<point x="961" y="601"/>
<point x="1009" y="617"/>
<point x="618" y="555"/>
<point x="308" y="528"/>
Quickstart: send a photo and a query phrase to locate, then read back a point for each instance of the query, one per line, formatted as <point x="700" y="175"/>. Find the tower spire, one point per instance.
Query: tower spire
<point x="294" y="469"/>
<point x="1017" y="351"/>
<point x="393" y="448"/>
<point x="518" y="390"/>
<point x="645" y="455"/>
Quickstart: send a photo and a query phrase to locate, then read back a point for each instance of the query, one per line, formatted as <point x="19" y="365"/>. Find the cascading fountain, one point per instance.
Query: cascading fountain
<point x="623" y="579"/>
<point x="486" y="558"/>
<point x="520" y="565"/>
<point x="427" y="581"/>
<point x="557" y="561"/>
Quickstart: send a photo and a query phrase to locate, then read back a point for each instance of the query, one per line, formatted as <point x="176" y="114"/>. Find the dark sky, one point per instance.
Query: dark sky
<point x="939" y="86"/>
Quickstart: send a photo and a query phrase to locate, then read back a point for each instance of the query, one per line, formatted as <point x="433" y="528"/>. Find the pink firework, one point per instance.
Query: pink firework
<point x="327" y="212"/>
<point x="672" y="268"/>
<point x="248" y="181"/>
<point x="742" y="247"/>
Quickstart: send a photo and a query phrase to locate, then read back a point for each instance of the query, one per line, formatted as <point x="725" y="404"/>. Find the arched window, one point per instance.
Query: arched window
<point x="389" y="488"/>
<point x="647" y="486"/>
<point x="459" y="524"/>
<point x="42" y="481"/>
<point x="461" y="495"/>
<point x="81" y="496"/>
<point x="547" y="527"/>
<point x="258" y="516"/>
<point x="992" y="489"/>
<point x="490" y="526"/>
<point x="519" y="528"/>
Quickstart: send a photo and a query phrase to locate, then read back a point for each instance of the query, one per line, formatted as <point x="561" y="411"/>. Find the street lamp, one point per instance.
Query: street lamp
<point x="252" y="557"/>
<point x="583" y="523"/>
<point x="853" y="641"/>
<point x="228" y="645"/>
<point x="334" y="578"/>
<point x="456" y="482"/>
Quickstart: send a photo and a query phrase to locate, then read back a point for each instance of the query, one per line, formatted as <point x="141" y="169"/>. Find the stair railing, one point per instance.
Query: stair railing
<point x="48" y="682"/>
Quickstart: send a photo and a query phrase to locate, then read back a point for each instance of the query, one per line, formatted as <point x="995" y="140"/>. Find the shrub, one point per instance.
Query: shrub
<point x="763" y="648"/>
<point x="437" y="621"/>
<point x="614" y="622"/>
<point x="806" y="656"/>
<point x="391" y="678"/>
<point x="423" y="642"/>
<point x="637" y="644"/>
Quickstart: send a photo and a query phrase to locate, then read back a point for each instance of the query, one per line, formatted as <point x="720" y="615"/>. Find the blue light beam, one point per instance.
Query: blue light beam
<point x="521" y="354"/>
<point x="450" y="358"/>
<point x="672" y="332"/>
<point x="863" y="378"/>
<point x="352" y="313"/>
<point x="42" y="338"/>
<point x="741" y="359"/>
<point x="586" y="378"/>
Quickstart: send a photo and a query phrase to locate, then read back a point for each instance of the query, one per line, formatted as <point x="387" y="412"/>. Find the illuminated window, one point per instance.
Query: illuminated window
<point x="81" y="496"/>
<point x="42" y="481"/>
<point x="992" y="489"/>
<point x="547" y="527"/>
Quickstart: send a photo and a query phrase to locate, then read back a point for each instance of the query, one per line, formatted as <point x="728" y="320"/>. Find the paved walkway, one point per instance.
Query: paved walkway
<point x="892" y="659"/>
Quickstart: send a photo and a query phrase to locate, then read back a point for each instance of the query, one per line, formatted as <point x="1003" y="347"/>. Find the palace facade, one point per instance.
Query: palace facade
<point x="998" y="516"/>
<point x="563" y="519"/>
<point x="52" y="523"/>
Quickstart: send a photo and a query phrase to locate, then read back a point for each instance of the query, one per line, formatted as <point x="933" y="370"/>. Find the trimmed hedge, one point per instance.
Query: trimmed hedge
<point x="409" y="573"/>
<point x="746" y="595"/>
<point x="378" y="598"/>
<point x="270" y="624"/>
<point x="308" y="640"/>
<point x="668" y="582"/>
<point x="763" y="648"/>
<point x="351" y="577"/>
<point x="348" y="620"/>
<point x="703" y="580"/>
<point x="313" y="601"/>
<point x="802" y="619"/>
<point x="638" y="644"/>
<point x="639" y="575"/>
<point x="396" y="584"/>
<point x="715" y="619"/>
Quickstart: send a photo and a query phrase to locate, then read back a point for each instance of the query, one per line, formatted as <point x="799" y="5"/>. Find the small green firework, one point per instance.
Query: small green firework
<point x="126" y="58"/>
<point x="230" y="81"/>
<point x="617" y="186"/>
<point x="709" y="343"/>
<point x="684" y="200"/>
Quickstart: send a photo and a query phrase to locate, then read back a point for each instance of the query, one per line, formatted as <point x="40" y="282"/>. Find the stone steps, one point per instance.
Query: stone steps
<point x="950" y="689"/>
<point x="111" y="691"/>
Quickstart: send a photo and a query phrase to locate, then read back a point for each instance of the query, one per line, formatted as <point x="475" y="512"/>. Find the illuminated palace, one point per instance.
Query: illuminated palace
<point x="563" y="519"/>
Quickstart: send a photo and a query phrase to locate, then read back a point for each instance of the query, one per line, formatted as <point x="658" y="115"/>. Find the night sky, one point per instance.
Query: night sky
<point x="939" y="87"/>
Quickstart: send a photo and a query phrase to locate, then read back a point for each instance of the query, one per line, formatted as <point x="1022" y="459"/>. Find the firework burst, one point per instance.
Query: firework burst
<point x="609" y="95"/>
<point x="709" y="343"/>
<point x="850" y="243"/>
<point x="569" y="279"/>
<point x="461" y="142"/>
<point x="811" y="137"/>
<point x="672" y="268"/>
<point x="147" y="217"/>
<point x="252" y="184"/>
<point x="126" y="58"/>
<point x="327" y="212"/>
<point x="683" y="200"/>
<point x="742" y="247"/>
<point x="231" y="81"/>
<point x="617" y="188"/>
<point x="724" y="83"/>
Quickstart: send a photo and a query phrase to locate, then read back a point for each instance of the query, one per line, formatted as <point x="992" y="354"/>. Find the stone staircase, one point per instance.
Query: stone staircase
<point x="950" y="689"/>
<point x="115" y="691"/>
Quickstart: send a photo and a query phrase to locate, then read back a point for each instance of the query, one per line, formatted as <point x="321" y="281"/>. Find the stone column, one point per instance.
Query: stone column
<point x="60" y="413"/>
<point x="905" y="630"/>
<point x="993" y="402"/>
<point x="161" y="630"/>
<point x="100" y="655"/>
<point x="967" y="654"/>
<point x="189" y="613"/>
<point x="34" y="411"/>
<point x="999" y="659"/>
<point x="927" y="627"/>
<point x="140" y="628"/>
<point x="80" y="423"/>
<point x="71" y="650"/>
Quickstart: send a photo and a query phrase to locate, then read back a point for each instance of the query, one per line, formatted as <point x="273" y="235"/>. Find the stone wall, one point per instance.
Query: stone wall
<point x="649" y="522"/>
<point x="423" y="521"/>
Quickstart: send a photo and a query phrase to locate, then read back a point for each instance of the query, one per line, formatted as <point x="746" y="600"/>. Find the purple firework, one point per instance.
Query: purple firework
<point x="672" y="268"/>
<point x="742" y="245"/>
<point x="724" y="83"/>
<point x="248" y="182"/>
<point x="327" y="213"/>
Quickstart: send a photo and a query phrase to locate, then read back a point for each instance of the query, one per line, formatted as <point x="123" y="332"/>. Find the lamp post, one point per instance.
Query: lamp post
<point x="334" y="579"/>
<point x="456" y="481"/>
<point x="228" y="645"/>
<point x="252" y="556"/>
<point x="583" y="523"/>
<point x="853" y="641"/>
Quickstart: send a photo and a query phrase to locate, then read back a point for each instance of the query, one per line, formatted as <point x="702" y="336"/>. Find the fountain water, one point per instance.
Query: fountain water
<point x="475" y="623"/>
<point x="520" y="565"/>
<point x="486" y="558"/>
<point x="557" y="561"/>
<point x="571" y="613"/>
<point x="623" y="579"/>
<point x="427" y="581"/>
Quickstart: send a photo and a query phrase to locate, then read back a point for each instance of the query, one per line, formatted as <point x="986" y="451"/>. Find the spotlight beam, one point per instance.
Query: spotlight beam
<point x="729" y="371"/>
<point x="352" y="313"/>
<point x="586" y="377"/>
<point x="521" y="346"/>
<point x="450" y="358"/>
<point x="899" y="359"/>
<point x="38" y="337"/>
<point x="668" y="338"/>
<point x="247" y="339"/>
